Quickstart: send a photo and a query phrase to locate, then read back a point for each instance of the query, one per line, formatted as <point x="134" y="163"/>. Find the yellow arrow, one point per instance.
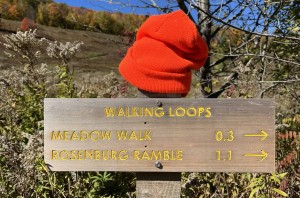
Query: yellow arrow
<point x="262" y="134"/>
<point x="263" y="155"/>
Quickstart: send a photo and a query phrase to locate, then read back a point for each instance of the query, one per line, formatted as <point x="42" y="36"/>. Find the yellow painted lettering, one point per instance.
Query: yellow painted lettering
<point x="229" y="155"/>
<point x="80" y="154"/>
<point x="136" y="155"/>
<point x="113" y="155"/>
<point x="148" y="111"/>
<point x="54" y="154"/>
<point x="159" y="112"/>
<point x="105" y="157"/>
<point x="74" y="136"/>
<point x="83" y="135"/>
<point x="145" y="155"/>
<point x="180" y="112"/>
<point x="200" y="110"/>
<point x="179" y="154"/>
<point x="56" y="135"/>
<point x="219" y="135"/>
<point x="208" y="112"/>
<point x="156" y="155"/>
<point x="132" y="136"/>
<point x="121" y="112"/>
<point x="171" y="114"/>
<point x="172" y="155"/>
<point x="88" y="154"/>
<point x="73" y="155"/>
<point x="106" y="135"/>
<point x="66" y="135"/>
<point x="218" y="155"/>
<point x="110" y="111"/>
<point x="191" y="112"/>
<point x="94" y="135"/>
<point x="121" y="135"/>
<point x="140" y="135"/>
<point x="147" y="135"/>
<point x="127" y="112"/>
<point x="135" y="111"/>
<point x="97" y="155"/>
<point x="166" y="155"/>
<point x="231" y="136"/>
<point x="123" y="155"/>
<point x="64" y="155"/>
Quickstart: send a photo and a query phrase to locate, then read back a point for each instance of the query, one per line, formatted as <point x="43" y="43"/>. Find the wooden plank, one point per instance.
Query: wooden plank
<point x="195" y="135"/>
<point x="155" y="185"/>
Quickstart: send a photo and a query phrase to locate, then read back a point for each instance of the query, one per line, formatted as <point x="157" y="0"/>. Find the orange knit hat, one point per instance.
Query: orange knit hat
<point x="167" y="47"/>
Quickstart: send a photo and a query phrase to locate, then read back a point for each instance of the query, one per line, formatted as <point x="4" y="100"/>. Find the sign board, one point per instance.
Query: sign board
<point x="160" y="135"/>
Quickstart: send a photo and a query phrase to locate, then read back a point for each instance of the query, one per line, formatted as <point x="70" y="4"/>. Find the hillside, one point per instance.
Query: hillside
<point x="100" y="52"/>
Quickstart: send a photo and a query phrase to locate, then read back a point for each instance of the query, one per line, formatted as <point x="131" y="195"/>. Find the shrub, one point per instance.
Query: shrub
<point x="23" y="172"/>
<point x="27" y="24"/>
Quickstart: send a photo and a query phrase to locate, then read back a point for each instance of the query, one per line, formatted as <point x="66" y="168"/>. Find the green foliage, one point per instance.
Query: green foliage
<point x="47" y="12"/>
<point x="64" y="79"/>
<point x="232" y="185"/>
<point x="23" y="172"/>
<point x="106" y="23"/>
<point x="288" y="149"/>
<point x="22" y="90"/>
<point x="71" y="184"/>
<point x="262" y="186"/>
<point x="42" y="16"/>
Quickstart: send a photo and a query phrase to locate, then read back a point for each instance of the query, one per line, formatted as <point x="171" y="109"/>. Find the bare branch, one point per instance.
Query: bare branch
<point x="230" y="20"/>
<point x="261" y="94"/>
<point x="243" y="30"/>
<point x="258" y="55"/>
<point x="185" y="9"/>
<point x="221" y="60"/>
<point x="281" y="81"/>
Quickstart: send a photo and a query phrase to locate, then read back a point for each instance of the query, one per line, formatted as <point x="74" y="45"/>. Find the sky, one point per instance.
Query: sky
<point x="101" y="5"/>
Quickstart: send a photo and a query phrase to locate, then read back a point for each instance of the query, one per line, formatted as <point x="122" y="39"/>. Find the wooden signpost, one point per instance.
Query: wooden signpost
<point x="160" y="135"/>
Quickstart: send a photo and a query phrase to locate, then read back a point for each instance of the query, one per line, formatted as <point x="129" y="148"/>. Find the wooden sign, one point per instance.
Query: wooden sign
<point x="160" y="135"/>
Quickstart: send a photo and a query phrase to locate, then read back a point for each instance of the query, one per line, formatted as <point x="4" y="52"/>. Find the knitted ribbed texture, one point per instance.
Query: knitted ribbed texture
<point x="167" y="48"/>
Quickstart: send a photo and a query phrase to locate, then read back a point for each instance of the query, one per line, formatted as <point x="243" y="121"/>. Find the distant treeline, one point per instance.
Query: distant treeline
<point x="50" y="13"/>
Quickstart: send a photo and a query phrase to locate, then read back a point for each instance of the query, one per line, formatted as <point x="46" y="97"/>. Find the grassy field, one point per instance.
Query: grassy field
<point x="100" y="53"/>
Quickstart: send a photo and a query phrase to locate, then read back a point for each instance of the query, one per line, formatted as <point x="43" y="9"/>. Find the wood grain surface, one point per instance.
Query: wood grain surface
<point x="194" y="135"/>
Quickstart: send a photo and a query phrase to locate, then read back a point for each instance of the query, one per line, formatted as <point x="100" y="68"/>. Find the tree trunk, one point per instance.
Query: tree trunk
<point x="204" y="26"/>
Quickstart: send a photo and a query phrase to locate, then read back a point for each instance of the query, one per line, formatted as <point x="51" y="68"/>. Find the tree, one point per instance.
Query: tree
<point x="42" y="15"/>
<point x="13" y="12"/>
<point x="27" y="24"/>
<point x="56" y="14"/>
<point x="107" y="24"/>
<point x="250" y="28"/>
<point x="80" y="18"/>
<point x="4" y="6"/>
<point x="18" y="10"/>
